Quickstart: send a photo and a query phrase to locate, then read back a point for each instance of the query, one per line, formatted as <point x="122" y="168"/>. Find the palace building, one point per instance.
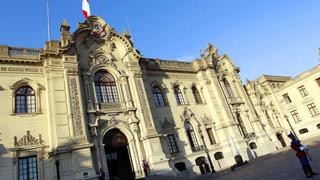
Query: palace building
<point x="90" y="104"/>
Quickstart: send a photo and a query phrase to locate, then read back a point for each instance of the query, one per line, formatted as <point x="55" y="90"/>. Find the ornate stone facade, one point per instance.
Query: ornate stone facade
<point x="100" y="106"/>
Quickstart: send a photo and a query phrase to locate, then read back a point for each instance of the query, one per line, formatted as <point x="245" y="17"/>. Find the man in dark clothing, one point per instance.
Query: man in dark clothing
<point x="301" y="155"/>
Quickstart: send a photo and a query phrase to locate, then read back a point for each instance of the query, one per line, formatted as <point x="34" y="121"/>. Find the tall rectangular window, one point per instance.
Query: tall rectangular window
<point x="28" y="168"/>
<point x="303" y="91"/>
<point x="295" y="115"/>
<point x="286" y="98"/>
<point x="211" y="136"/>
<point x="171" y="143"/>
<point x="313" y="109"/>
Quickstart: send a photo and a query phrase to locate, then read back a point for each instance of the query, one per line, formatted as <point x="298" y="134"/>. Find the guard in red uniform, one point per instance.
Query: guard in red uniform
<point x="301" y="155"/>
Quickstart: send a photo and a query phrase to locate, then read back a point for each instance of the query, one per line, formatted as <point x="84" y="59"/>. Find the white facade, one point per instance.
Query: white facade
<point x="100" y="107"/>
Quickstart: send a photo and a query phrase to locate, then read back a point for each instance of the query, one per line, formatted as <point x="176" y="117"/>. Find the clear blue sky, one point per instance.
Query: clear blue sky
<point x="279" y="37"/>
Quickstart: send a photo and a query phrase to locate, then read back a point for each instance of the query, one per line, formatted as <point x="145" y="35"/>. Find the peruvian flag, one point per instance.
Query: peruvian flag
<point x="85" y="8"/>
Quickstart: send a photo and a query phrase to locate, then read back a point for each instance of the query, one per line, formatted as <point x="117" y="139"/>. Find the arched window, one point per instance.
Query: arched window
<point x="228" y="88"/>
<point x="191" y="137"/>
<point x="105" y="86"/>
<point x="196" y="95"/>
<point x="157" y="96"/>
<point x="218" y="155"/>
<point x="25" y="100"/>
<point x="179" y="96"/>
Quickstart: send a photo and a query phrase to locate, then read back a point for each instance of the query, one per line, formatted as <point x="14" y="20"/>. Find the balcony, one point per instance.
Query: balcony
<point x="235" y="100"/>
<point x="197" y="148"/>
<point x="115" y="106"/>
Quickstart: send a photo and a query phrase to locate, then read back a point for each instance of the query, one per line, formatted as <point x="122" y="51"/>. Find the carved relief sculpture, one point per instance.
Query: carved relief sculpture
<point x="75" y="108"/>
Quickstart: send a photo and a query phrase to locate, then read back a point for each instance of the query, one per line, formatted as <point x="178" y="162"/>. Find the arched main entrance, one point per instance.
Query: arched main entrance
<point x="118" y="155"/>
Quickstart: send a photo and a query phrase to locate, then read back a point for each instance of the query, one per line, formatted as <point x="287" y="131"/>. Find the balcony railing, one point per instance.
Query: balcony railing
<point x="24" y="53"/>
<point x="197" y="148"/>
<point x="110" y="106"/>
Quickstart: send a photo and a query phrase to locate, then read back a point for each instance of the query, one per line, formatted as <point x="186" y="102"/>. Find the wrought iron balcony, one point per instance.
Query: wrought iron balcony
<point x="110" y="106"/>
<point x="197" y="148"/>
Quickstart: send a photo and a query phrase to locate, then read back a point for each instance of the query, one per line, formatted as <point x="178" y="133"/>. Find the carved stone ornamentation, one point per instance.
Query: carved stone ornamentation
<point x="27" y="140"/>
<point x="144" y="106"/>
<point x="75" y="107"/>
<point x="167" y="124"/>
<point x="100" y="56"/>
<point x="113" y="121"/>
<point x="187" y="114"/>
<point x="206" y="119"/>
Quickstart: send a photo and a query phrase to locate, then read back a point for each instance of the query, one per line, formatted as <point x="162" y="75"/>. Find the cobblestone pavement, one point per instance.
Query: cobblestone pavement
<point x="282" y="165"/>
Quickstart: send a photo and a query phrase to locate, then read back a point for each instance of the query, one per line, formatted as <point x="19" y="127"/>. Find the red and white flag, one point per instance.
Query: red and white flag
<point x="86" y="8"/>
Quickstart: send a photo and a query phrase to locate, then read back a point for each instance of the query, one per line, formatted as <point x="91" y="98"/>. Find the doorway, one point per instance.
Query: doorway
<point x="118" y="156"/>
<point x="280" y="138"/>
<point x="203" y="165"/>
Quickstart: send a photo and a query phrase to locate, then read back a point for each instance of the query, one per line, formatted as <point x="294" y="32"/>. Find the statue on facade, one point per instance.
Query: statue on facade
<point x="211" y="50"/>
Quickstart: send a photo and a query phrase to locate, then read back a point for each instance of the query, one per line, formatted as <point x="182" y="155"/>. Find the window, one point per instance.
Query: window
<point x="211" y="137"/>
<point x="242" y="126"/>
<point x="196" y="95"/>
<point x="303" y="131"/>
<point x="171" y="142"/>
<point x="228" y="88"/>
<point x="253" y="145"/>
<point x="191" y="137"/>
<point x="218" y="155"/>
<point x="181" y="166"/>
<point x="157" y="96"/>
<point x="28" y="169"/>
<point x="286" y="98"/>
<point x="105" y="86"/>
<point x="179" y="97"/>
<point x="313" y="109"/>
<point x="303" y="91"/>
<point x="25" y="100"/>
<point x="295" y="115"/>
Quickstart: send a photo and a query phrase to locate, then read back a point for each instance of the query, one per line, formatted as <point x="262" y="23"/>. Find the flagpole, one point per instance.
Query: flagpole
<point x="48" y="21"/>
<point x="130" y="29"/>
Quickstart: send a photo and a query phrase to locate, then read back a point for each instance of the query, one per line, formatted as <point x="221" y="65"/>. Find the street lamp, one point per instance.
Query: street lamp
<point x="207" y="151"/>
<point x="55" y="154"/>
<point x="287" y="118"/>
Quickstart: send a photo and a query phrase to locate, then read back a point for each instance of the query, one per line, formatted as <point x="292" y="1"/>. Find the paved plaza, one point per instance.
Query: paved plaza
<point x="282" y="165"/>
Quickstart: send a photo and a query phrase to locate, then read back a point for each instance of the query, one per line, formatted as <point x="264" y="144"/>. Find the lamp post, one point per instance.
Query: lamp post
<point x="55" y="154"/>
<point x="287" y="118"/>
<point x="207" y="151"/>
<point x="57" y="163"/>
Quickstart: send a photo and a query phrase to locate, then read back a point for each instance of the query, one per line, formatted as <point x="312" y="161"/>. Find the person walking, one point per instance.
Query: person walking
<point x="302" y="155"/>
<point x="145" y="166"/>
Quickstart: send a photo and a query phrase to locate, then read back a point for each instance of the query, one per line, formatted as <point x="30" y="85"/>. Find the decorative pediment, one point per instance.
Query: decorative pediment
<point x="27" y="82"/>
<point x="166" y="124"/>
<point x="187" y="114"/>
<point x="103" y="56"/>
<point x="206" y="119"/>
<point x="113" y="121"/>
<point x="27" y="140"/>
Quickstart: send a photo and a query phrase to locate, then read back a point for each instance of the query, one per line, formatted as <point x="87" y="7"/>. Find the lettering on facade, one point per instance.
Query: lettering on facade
<point x="20" y="69"/>
<point x="75" y="107"/>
